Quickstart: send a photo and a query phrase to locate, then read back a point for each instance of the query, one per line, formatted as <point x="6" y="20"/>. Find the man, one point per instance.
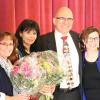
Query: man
<point x="63" y="21"/>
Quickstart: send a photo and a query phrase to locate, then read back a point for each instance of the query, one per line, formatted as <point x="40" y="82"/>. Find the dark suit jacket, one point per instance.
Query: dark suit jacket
<point x="5" y="83"/>
<point x="47" y="42"/>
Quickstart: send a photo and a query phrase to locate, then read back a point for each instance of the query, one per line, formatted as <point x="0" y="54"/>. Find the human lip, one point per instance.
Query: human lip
<point x="30" y="40"/>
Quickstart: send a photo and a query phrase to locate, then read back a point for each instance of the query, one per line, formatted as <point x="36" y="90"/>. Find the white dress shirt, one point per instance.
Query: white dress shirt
<point x="74" y="58"/>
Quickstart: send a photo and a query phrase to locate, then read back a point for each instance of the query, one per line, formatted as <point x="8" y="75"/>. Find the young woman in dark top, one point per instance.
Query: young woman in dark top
<point x="7" y="46"/>
<point x="91" y="63"/>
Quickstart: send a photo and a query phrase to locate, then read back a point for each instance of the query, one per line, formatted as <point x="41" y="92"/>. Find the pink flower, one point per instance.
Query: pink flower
<point x="15" y="70"/>
<point x="35" y="72"/>
<point x="27" y="71"/>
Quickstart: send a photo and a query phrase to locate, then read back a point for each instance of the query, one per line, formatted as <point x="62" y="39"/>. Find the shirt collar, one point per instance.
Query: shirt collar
<point x="58" y="34"/>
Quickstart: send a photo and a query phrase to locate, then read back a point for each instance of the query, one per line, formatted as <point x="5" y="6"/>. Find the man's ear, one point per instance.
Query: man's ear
<point x="54" y="21"/>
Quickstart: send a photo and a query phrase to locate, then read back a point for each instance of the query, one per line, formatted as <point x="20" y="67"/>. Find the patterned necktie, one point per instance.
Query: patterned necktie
<point x="67" y="63"/>
<point x="64" y="38"/>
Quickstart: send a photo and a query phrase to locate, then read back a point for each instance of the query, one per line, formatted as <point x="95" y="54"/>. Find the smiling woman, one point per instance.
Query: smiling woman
<point x="91" y="63"/>
<point x="7" y="45"/>
<point x="27" y="34"/>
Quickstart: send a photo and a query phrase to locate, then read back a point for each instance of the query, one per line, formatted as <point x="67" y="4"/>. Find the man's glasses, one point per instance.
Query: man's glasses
<point x="63" y="19"/>
<point x="6" y="44"/>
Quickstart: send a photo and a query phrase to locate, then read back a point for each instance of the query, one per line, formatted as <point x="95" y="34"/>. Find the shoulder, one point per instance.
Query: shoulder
<point x="75" y="35"/>
<point x="99" y="51"/>
<point x="99" y="55"/>
<point x="2" y="72"/>
<point x="19" y="53"/>
<point x="47" y="34"/>
<point x="1" y="69"/>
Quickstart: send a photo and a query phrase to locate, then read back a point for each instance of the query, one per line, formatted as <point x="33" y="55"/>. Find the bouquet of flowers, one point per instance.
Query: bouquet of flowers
<point x="26" y="75"/>
<point x="34" y="70"/>
<point x="53" y="72"/>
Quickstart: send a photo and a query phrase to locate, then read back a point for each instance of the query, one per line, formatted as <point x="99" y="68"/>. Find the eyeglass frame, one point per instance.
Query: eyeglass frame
<point x="90" y="39"/>
<point x="64" y="19"/>
<point x="6" y="44"/>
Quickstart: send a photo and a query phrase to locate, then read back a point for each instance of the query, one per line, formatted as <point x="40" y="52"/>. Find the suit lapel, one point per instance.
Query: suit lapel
<point x="52" y="42"/>
<point x="75" y="39"/>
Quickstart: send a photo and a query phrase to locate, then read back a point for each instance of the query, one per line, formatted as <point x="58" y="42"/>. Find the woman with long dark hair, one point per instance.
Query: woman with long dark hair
<point x="27" y="34"/>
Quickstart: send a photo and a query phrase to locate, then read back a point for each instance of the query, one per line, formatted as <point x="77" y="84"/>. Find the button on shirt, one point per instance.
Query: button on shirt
<point x="74" y="57"/>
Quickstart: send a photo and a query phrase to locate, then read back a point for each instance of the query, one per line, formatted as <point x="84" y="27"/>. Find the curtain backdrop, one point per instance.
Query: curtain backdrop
<point x="12" y="12"/>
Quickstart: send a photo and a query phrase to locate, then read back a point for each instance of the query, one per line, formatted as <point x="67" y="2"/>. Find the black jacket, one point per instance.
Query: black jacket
<point x="47" y="42"/>
<point x="5" y="83"/>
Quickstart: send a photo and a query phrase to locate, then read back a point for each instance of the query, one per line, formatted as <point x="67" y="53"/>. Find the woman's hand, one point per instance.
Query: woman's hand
<point x="22" y="96"/>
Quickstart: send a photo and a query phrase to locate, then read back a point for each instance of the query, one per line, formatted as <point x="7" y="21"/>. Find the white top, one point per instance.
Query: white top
<point x="74" y="57"/>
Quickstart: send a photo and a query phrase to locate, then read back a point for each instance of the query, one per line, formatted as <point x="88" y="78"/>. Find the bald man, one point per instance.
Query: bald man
<point x="63" y="21"/>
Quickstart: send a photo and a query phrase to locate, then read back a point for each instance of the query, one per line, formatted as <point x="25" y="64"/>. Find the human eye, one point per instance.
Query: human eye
<point x="61" y="18"/>
<point x="96" y="38"/>
<point x="7" y="44"/>
<point x="70" y="19"/>
<point x="11" y="44"/>
<point x="34" y="33"/>
<point x="89" y="39"/>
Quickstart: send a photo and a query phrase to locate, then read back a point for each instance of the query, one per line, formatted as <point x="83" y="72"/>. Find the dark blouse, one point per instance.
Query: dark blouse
<point x="5" y="83"/>
<point x="21" y="52"/>
<point x="91" y="81"/>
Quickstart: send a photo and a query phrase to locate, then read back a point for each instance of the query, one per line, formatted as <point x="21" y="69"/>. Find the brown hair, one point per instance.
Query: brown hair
<point x="13" y="56"/>
<point x="85" y="33"/>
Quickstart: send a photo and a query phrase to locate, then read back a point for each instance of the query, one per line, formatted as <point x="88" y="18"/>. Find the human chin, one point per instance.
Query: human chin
<point x="30" y="41"/>
<point x="9" y="52"/>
